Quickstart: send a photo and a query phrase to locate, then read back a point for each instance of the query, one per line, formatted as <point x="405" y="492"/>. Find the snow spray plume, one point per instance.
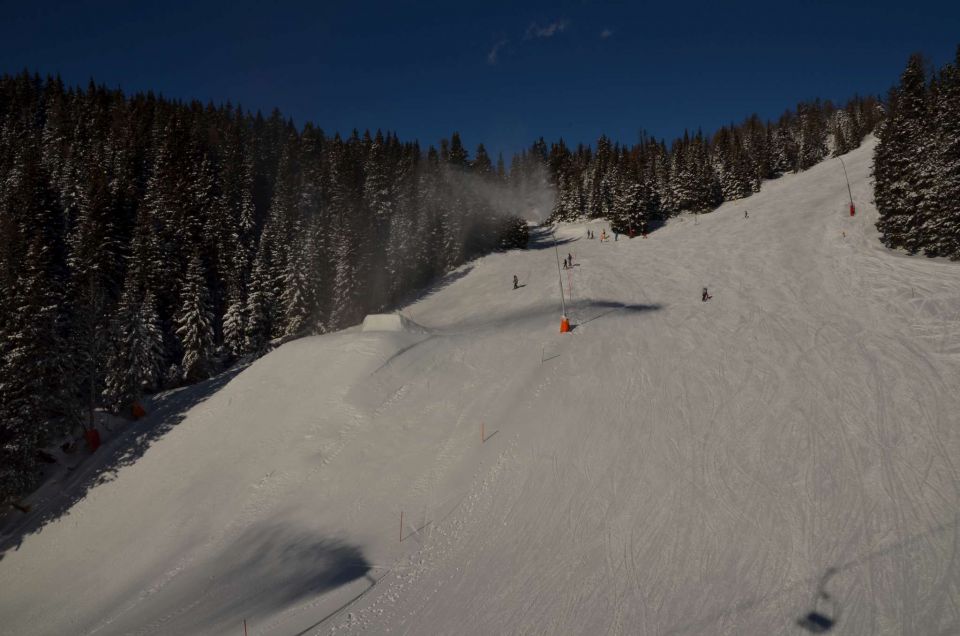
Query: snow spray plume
<point x="531" y="197"/>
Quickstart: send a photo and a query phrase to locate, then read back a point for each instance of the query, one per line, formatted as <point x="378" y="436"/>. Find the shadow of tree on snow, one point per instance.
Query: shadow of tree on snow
<point x="265" y="569"/>
<point x="58" y="495"/>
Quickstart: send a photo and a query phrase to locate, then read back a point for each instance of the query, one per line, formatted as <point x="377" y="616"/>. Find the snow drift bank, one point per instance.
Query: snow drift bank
<point x="390" y="322"/>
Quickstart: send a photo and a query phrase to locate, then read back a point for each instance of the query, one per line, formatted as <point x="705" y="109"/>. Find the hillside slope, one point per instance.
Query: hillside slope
<point x="669" y="467"/>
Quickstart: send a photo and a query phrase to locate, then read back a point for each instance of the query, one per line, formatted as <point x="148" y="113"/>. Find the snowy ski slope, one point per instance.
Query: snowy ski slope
<point x="669" y="467"/>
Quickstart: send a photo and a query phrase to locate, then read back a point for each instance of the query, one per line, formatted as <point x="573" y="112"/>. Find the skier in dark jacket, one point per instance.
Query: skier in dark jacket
<point x="706" y="295"/>
<point x="516" y="282"/>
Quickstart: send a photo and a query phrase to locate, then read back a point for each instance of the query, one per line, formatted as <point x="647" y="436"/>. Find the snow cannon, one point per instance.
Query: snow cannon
<point x="853" y="210"/>
<point x="564" y="325"/>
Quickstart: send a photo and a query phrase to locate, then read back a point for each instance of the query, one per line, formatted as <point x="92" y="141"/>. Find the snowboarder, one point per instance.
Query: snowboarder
<point x="706" y="296"/>
<point x="516" y="282"/>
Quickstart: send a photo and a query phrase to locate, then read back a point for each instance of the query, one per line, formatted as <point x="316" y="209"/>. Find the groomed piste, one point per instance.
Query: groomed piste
<point x="670" y="466"/>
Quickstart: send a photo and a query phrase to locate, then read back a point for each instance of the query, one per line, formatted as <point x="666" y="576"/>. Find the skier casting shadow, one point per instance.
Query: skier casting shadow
<point x="706" y="296"/>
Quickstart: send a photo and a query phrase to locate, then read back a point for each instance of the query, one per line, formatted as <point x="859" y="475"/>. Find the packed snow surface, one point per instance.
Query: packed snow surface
<point x="669" y="467"/>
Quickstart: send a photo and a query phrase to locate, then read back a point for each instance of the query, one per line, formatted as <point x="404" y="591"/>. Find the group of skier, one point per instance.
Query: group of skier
<point x="603" y="235"/>
<point x="568" y="261"/>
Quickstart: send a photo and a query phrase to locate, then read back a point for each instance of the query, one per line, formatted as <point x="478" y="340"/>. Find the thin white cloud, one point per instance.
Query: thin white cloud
<point x="533" y="32"/>
<point x="548" y="31"/>
<point x="495" y="51"/>
<point x="605" y="34"/>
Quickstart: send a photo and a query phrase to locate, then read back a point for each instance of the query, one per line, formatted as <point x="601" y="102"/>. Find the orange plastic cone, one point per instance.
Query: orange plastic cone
<point x="564" y="325"/>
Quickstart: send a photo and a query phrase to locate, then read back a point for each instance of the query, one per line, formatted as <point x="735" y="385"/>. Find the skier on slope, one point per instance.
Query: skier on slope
<point x="746" y="214"/>
<point x="516" y="282"/>
<point x="570" y="259"/>
<point x="706" y="296"/>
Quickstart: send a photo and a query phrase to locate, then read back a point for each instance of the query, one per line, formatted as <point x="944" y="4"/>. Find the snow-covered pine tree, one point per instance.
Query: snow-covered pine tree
<point x="295" y="301"/>
<point x="842" y="130"/>
<point x="898" y="158"/>
<point x="235" y="321"/>
<point x="136" y="358"/>
<point x="946" y="191"/>
<point x="194" y="324"/>
<point x="260" y="307"/>
<point x="481" y="165"/>
<point x="347" y="227"/>
<point x="812" y="136"/>
<point x="403" y="244"/>
<point x="598" y="195"/>
<point x="731" y="165"/>
<point x="454" y="205"/>
<point x="235" y="251"/>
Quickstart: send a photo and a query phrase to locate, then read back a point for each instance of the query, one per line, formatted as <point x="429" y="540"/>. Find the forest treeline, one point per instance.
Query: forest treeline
<point x="639" y="186"/>
<point x="149" y="243"/>
<point x="917" y="161"/>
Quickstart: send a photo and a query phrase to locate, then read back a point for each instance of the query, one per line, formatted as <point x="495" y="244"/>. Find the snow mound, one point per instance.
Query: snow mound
<point x="391" y="322"/>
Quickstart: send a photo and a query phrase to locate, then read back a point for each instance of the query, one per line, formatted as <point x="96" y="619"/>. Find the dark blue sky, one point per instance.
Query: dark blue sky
<point x="499" y="73"/>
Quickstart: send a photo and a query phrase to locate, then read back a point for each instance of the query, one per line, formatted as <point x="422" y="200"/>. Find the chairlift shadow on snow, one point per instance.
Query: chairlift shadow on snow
<point x="819" y="620"/>
<point x="537" y="315"/>
<point x="609" y="307"/>
<point x="825" y="612"/>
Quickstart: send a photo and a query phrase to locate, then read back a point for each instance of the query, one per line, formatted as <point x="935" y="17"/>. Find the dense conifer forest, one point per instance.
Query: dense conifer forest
<point x="150" y="243"/>
<point x="917" y="162"/>
<point x="637" y="187"/>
